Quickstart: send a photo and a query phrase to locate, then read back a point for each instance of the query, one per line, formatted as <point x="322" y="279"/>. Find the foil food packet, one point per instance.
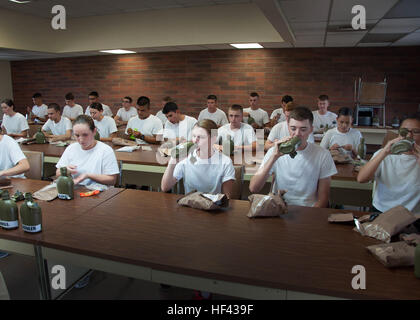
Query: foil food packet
<point x="271" y="205"/>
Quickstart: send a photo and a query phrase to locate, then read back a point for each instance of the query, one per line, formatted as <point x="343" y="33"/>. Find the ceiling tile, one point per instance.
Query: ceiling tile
<point x="308" y="28"/>
<point x="412" y="39"/>
<point x="382" y="37"/>
<point x="297" y="10"/>
<point x="379" y="44"/>
<point x="375" y="9"/>
<point x="397" y="25"/>
<point x="269" y="45"/>
<point x="344" y="38"/>
<point x="405" y="9"/>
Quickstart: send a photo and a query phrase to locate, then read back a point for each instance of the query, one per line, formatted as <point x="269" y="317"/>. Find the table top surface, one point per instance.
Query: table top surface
<point x="299" y="251"/>
<point x="56" y="212"/>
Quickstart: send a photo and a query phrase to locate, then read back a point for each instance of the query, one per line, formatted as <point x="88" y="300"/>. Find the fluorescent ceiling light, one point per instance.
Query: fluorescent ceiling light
<point x="117" y="51"/>
<point x="247" y="45"/>
<point x="20" y="1"/>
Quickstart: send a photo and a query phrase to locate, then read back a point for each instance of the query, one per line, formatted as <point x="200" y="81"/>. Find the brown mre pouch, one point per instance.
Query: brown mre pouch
<point x="341" y="217"/>
<point x="271" y="205"/>
<point x="389" y="223"/>
<point x="413" y="238"/>
<point x="395" y="254"/>
<point x="204" y="201"/>
<point x="48" y="193"/>
<point x="123" y="142"/>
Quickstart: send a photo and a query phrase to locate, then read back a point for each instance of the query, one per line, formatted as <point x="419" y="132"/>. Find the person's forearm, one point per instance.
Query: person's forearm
<point x="151" y="139"/>
<point x="168" y="180"/>
<point x="21" y="167"/>
<point x="367" y="172"/>
<point x="268" y="144"/>
<point x="259" y="179"/>
<point x="102" y="178"/>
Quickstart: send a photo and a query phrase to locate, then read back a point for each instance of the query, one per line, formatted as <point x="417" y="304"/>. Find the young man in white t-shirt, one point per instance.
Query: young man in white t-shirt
<point x="212" y="112"/>
<point x="126" y="112"/>
<point x="178" y="126"/>
<point x="13" y="163"/>
<point x="94" y="97"/>
<point x="322" y="116"/>
<point x="343" y="136"/>
<point x="14" y="124"/>
<point x="259" y="115"/>
<point x="105" y="125"/>
<point x="60" y="127"/>
<point x="281" y="129"/>
<point x="278" y="114"/>
<point x="160" y="114"/>
<point x="306" y="177"/>
<point x="145" y="127"/>
<point x="39" y="110"/>
<point x="242" y="134"/>
<point x="71" y="109"/>
<point x="397" y="176"/>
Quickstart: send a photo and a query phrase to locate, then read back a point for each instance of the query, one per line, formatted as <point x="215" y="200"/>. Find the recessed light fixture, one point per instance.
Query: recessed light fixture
<point x="247" y="45"/>
<point x="117" y="51"/>
<point x="20" y="1"/>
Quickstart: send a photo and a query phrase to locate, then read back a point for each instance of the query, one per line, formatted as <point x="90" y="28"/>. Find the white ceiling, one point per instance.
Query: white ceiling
<point x="304" y="23"/>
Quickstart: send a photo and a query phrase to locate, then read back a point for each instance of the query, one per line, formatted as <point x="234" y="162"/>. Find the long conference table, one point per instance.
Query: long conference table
<point x="147" y="235"/>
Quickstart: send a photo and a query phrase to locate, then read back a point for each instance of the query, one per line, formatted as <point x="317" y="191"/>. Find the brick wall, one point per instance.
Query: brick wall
<point x="230" y="74"/>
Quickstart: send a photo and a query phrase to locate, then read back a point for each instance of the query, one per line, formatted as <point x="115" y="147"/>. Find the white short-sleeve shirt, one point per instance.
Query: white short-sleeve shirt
<point x="260" y="116"/>
<point x="98" y="160"/>
<point x="126" y="115"/>
<point x="15" y="124"/>
<point x="72" y="112"/>
<point x="397" y="183"/>
<point x="334" y="136"/>
<point x="219" y="116"/>
<point x="40" y="111"/>
<point x="205" y="175"/>
<point x="106" y="110"/>
<point x="242" y="136"/>
<point x="58" y="128"/>
<point x="280" y="112"/>
<point x="180" y="129"/>
<point x="148" y="127"/>
<point x="281" y="130"/>
<point x="329" y="118"/>
<point x="300" y="175"/>
<point x="106" y="126"/>
<point x="10" y="154"/>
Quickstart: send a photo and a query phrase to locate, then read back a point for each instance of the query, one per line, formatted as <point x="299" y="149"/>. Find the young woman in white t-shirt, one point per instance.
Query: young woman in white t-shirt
<point x="89" y="160"/>
<point x="343" y="136"/>
<point x="205" y="169"/>
<point x="13" y="162"/>
<point x="397" y="177"/>
<point x="14" y="124"/>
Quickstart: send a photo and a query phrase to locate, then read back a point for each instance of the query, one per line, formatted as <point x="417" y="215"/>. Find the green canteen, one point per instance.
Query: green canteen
<point x="40" y="137"/>
<point x="228" y="146"/>
<point x="289" y="147"/>
<point x="65" y="185"/>
<point x="30" y="215"/>
<point x="402" y="146"/>
<point x="183" y="148"/>
<point x="9" y="213"/>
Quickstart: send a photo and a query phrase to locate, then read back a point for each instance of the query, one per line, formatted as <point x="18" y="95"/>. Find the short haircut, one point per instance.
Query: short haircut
<point x="414" y="116"/>
<point x="9" y="102"/>
<point x="169" y="107"/>
<point x="97" y="106"/>
<point x="286" y="99"/>
<point x="54" y="106"/>
<point x="209" y="125"/>
<point x="85" y="119"/>
<point x="302" y="113"/>
<point x="290" y="106"/>
<point x="168" y="99"/>
<point x="129" y="99"/>
<point x="37" y="95"/>
<point x="143" y="101"/>
<point x="69" y="96"/>
<point x="94" y="93"/>
<point x="236" y="107"/>
<point x="345" y="112"/>
<point x="323" y="97"/>
<point x="212" y="97"/>
<point x="254" y="94"/>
